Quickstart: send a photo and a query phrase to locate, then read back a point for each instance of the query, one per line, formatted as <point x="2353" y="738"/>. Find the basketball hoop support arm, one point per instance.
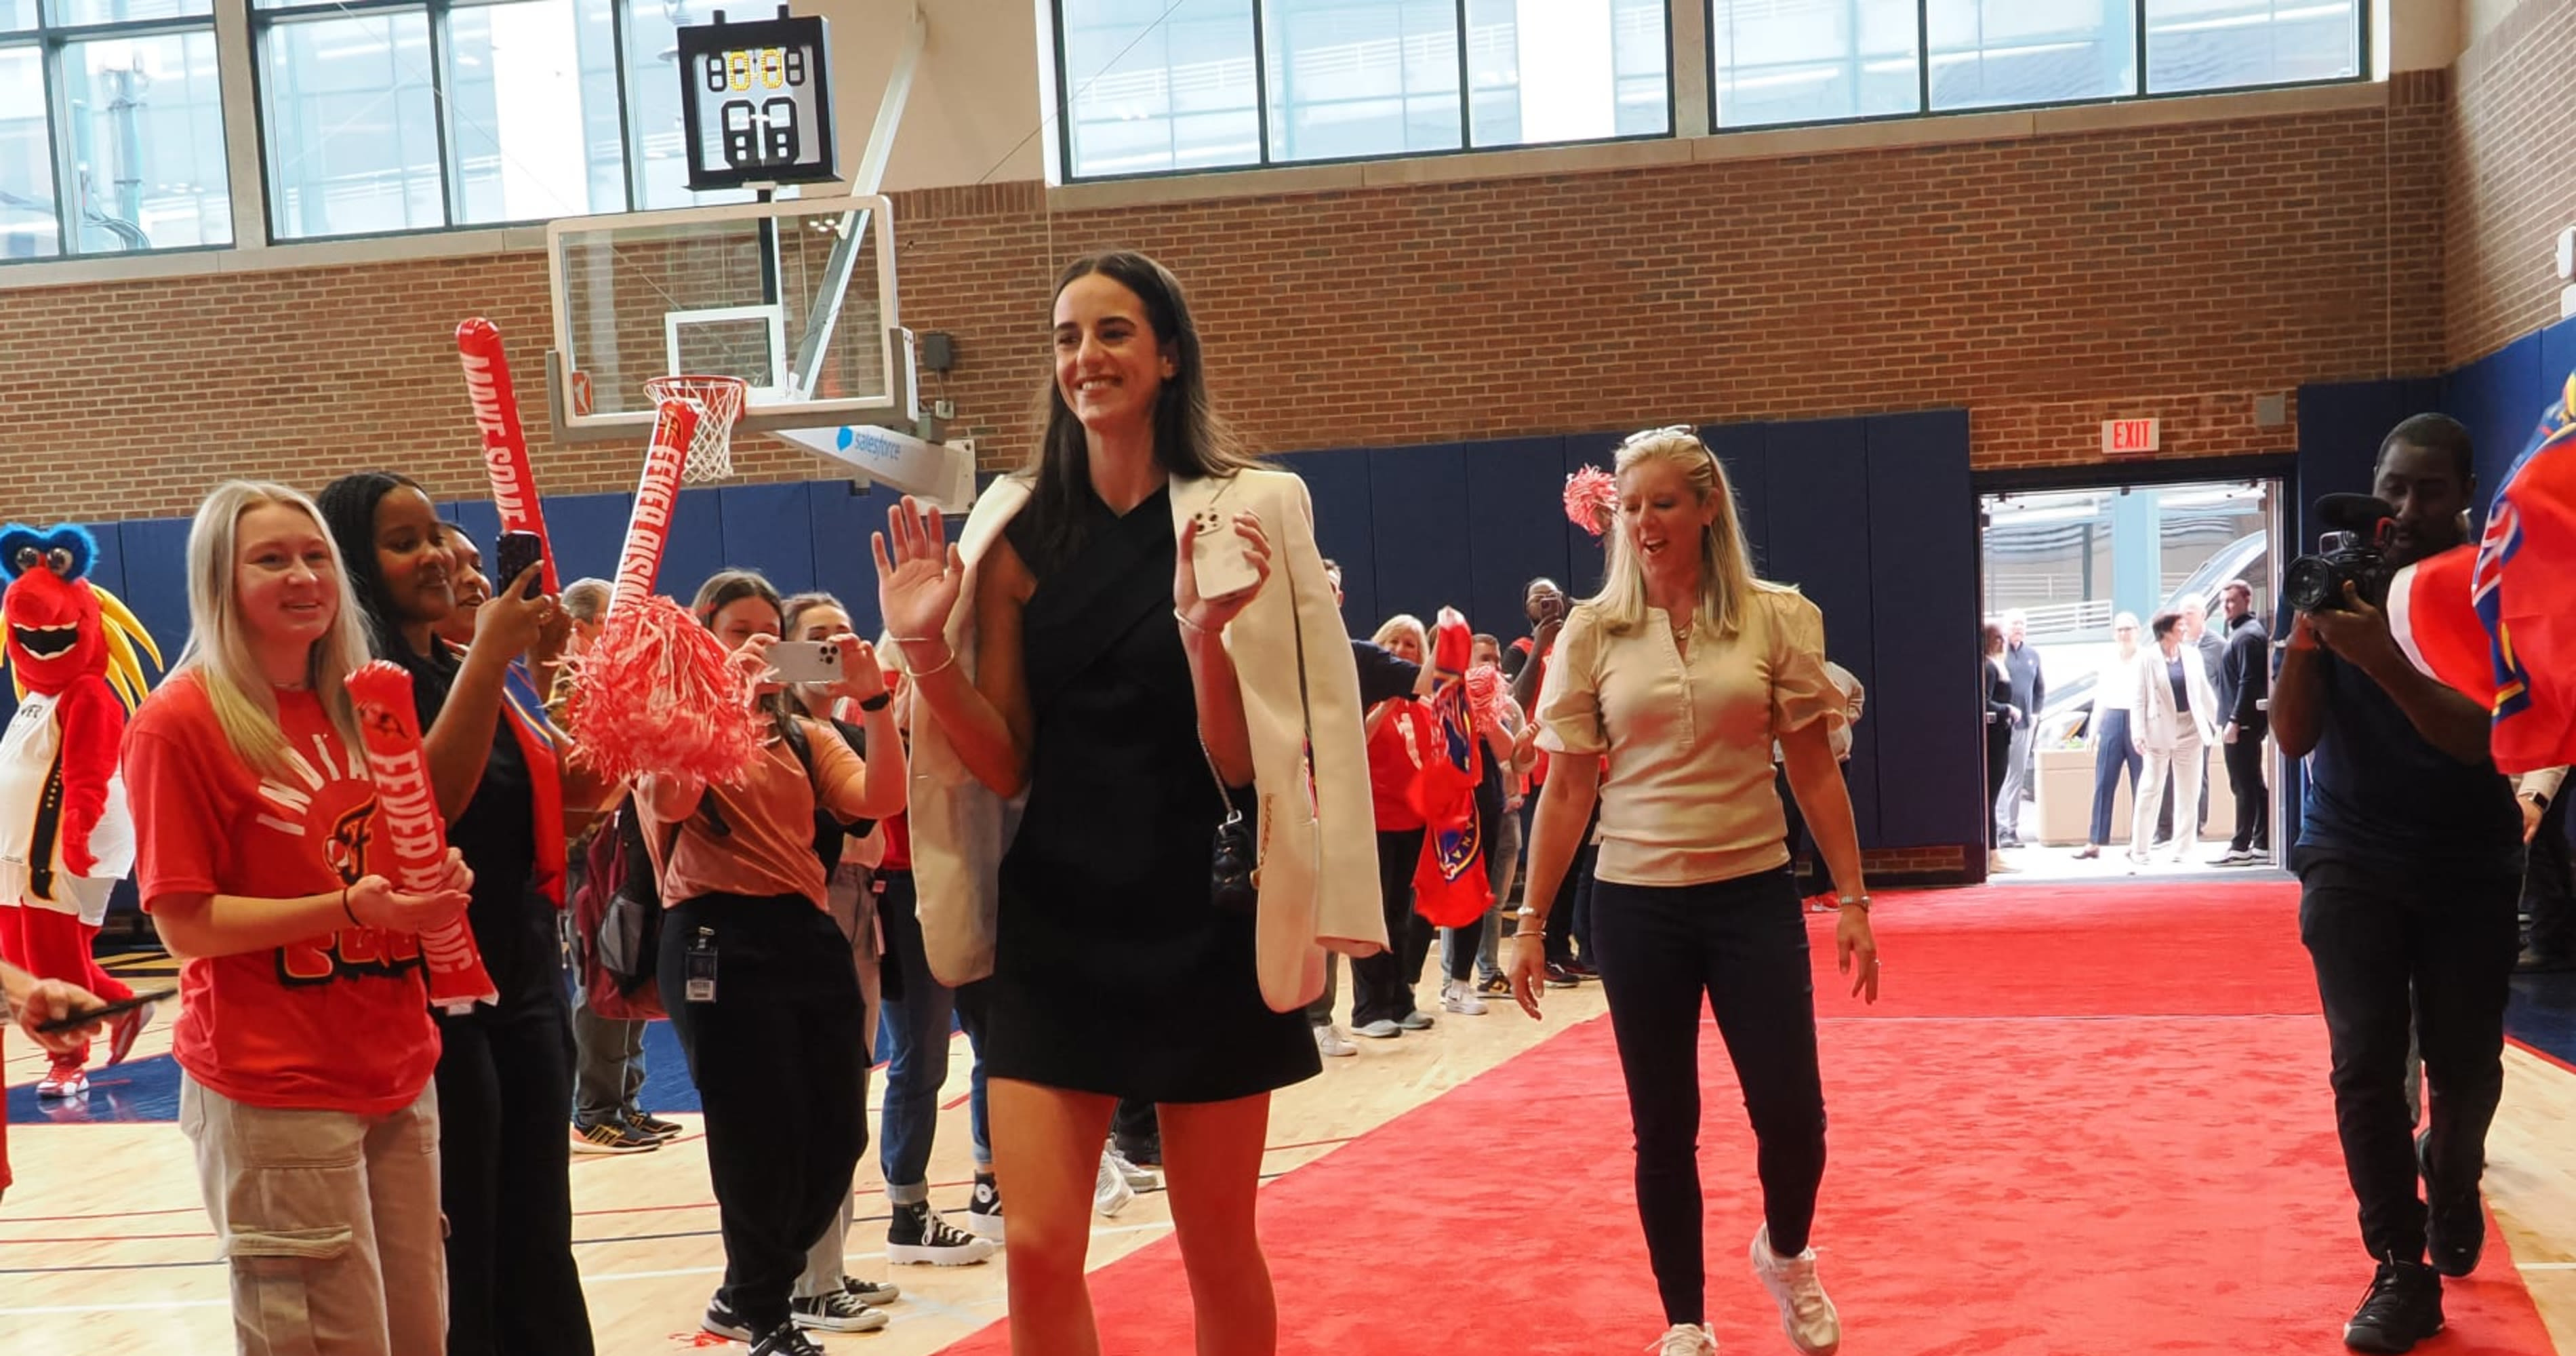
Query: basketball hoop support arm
<point x="871" y="176"/>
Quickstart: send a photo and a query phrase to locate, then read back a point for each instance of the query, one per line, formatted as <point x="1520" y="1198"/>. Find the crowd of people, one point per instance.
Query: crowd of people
<point x="1001" y="813"/>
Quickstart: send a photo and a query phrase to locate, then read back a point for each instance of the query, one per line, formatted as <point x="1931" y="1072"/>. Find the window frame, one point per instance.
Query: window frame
<point x="1923" y="77"/>
<point x="451" y="195"/>
<point x="1064" y="92"/>
<point x="49" y="40"/>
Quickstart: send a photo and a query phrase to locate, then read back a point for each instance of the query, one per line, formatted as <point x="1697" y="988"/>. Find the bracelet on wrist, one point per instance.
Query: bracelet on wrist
<point x="878" y="702"/>
<point x="942" y="666"/>
<point x="344" y="907"/>
<point x="1860" y="902"/>
<point x="1188" y="625"/>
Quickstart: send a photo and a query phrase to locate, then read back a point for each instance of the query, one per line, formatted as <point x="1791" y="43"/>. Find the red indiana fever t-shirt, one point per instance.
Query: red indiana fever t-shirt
<point x="338" y="1022"/>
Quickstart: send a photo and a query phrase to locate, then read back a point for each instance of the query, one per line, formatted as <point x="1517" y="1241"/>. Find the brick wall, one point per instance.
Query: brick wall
<point x="2511" y="180"/>
<point x="2045" y="284"/>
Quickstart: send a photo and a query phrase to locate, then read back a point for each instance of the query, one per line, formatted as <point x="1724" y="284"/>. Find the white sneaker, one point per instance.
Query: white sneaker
<point x="1332" y="1044"/>
<point x="1110" y="1192"/>
<point x="1460" y="997"/>
<point x="1685" y="1339"/>
<point x="1139" y="1177"/>
<point x="835" y="1311"/>
<point x="1805" y="1314"/>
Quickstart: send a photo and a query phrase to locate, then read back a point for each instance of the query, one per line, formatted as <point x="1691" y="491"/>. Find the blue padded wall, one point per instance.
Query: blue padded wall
<point x="1921" y="644"/>
<point x="1816" y="488"/>
<point x="2499" y="397"/>
<point x="1515" y="501"/>
<point x="1741" y="449"/>
<point x="1419" y="528"/>
<point x="1345" y="527"/>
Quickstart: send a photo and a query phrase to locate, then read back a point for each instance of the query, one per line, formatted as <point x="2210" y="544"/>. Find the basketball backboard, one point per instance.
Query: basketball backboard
<point x="795" y="297"/>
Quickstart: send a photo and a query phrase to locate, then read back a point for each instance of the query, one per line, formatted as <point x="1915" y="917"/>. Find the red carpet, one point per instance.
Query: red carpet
<point x="2081" y="1122"/>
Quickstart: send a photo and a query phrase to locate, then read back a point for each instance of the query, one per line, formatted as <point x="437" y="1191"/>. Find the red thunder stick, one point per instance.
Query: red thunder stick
<point x="505" y="443"/>
<point x="657" y="498"/>
<point x="400" y="769"/>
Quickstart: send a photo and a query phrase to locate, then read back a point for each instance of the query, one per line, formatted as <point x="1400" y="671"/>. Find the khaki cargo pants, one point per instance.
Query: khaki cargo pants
<point x="329" y="1221"/>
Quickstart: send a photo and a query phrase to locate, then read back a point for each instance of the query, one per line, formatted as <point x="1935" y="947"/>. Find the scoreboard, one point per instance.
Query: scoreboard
<point x="756" y="102"/>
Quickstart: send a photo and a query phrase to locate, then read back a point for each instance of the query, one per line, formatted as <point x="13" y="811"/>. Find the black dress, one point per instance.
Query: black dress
<point x="1999" y="732"/>
<point x="1114" y="971"/>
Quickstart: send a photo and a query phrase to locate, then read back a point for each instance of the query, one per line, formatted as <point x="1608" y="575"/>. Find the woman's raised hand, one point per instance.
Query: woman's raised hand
<point x="918" y="571"/>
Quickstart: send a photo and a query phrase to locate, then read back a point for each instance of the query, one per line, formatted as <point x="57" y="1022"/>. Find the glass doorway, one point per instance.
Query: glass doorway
<point x="2066" y="565"/>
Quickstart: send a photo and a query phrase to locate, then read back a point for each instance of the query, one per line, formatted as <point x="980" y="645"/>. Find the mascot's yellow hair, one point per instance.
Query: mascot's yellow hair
<point x="124" y="632"/>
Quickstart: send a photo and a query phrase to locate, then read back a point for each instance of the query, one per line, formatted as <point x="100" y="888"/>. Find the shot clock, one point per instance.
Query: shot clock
<point x="756" y="102"/>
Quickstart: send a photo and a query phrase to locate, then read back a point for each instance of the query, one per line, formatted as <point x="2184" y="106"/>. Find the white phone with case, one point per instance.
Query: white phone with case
<point x="805" y="661"/>
<point x="1218" y="556"/>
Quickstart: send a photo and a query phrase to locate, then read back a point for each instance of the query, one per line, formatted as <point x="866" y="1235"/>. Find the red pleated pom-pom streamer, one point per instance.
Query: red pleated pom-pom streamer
<point x="655" y="693"/>
<point x="1591" y="499"/>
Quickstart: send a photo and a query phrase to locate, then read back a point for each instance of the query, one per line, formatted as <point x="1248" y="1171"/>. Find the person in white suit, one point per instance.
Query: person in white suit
<point x="2175" y="723"/>
<point x="1084" y="718"/>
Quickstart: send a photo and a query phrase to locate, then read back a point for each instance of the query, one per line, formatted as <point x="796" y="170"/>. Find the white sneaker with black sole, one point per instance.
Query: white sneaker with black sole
<point x="984" y="1213"/>
<point x="1459" y="996"/>
<point x="917" y="1236"/>
<point x="1805" y="1314"/>
<point x="836" y="1311"/>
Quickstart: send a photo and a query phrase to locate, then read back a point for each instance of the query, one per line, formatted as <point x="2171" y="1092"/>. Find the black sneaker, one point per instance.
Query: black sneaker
<point x="2455" y="1224"/>
<point x="654" y="1126"/>
<point x="611" y="1137"/>
<point x="916" y="1235"/>
<point x="786" y="1340"/>
<point x="724" y="1322"/>
<point x="835" y="1311"/>
<point x="871" y="1292"/>
<point x="1563" y="977"/>
<point x="2404" y="1307"/>
<point x="984" y="1213"/>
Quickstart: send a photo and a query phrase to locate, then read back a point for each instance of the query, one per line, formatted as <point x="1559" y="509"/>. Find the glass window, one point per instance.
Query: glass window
<point x="1987" y="53"/>
<point x="1785" y="61"/>
<point x="17" y="14"/>
<point x="28" y="226"/>
<point x="143" y="143"/>
<point x="66" y="13"/>
<point x="1155" y="88"/>
<point x="1566" y="70"/>
<point x="1362" y="77"/>
<point x="352" y="125"/>
<point x="529" y="87"/>
<point x="2218" y="44"/>
<point x="653" y="126"/>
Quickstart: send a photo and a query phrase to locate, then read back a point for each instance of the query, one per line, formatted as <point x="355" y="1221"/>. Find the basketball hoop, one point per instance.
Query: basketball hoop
<point x="719" y="402"/>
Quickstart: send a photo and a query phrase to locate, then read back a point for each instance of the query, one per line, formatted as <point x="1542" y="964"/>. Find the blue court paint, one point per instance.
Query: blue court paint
<point x="2543" y="1014"/>
<point x="144" y="1090"/>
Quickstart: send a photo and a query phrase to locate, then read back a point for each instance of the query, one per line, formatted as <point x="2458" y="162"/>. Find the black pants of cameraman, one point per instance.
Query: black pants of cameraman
<point x="2389" y="946"/>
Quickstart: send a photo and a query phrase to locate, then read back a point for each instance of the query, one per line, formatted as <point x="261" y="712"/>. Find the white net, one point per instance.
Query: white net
<point x="719" y="403"/>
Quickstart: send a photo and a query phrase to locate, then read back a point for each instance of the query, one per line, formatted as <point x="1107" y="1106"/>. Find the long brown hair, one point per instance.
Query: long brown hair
<point x="1189" y="440"/>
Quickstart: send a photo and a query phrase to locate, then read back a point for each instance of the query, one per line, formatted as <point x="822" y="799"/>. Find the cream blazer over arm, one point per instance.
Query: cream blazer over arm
<point x="1317" y="876"/>
<point x="2160" y="723"/>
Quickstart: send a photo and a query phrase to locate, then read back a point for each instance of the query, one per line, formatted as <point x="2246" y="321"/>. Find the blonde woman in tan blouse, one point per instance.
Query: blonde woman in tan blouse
<point x="1682" y="671"/>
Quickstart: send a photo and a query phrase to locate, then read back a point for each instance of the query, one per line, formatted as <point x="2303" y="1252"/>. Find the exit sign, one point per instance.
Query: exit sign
<point x="2128" y="437"/>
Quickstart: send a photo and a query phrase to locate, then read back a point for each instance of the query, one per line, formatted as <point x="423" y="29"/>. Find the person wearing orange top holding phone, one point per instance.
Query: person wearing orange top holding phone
<point x="304" y="1035"/>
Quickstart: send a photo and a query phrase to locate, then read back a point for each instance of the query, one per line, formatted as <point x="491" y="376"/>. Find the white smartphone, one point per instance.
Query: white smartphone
<point x="1218" y="556"/>
<point x="805" y="661"/>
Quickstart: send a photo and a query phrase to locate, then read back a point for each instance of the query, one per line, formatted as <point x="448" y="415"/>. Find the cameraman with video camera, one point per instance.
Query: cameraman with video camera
<point x="2409" y="859"/>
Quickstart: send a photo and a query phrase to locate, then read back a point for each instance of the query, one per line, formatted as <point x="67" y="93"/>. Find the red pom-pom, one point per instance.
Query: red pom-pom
<point x="656" y="693"/>
<point x="1591" y="498"/>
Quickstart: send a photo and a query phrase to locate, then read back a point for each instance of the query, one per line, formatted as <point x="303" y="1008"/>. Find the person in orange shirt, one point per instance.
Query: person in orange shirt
<point x="261" y="859"/>
<point x="756" y="975"/>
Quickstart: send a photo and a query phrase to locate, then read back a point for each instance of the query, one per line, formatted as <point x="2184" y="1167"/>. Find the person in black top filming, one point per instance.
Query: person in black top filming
<point x="2409" y="856"/>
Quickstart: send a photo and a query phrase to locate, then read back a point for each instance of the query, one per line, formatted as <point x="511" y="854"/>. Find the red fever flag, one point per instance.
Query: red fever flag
<point x="390" y="730"/>
<point x="1449" y="884"/>
<point x="2492" y="621"/>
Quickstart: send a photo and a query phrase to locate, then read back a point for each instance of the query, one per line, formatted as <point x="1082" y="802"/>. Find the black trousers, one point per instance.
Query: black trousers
<point x="2548" y="892"/>
<point x="1382" y="985"/>
<point x="1136" y="1130"/>
<point x="781" y="1065"/>
<point x="1740" y="946"/>
<point x="504" y="1178"/>
<point x="2253" y="799"/>
<point x="2387" y="946"/>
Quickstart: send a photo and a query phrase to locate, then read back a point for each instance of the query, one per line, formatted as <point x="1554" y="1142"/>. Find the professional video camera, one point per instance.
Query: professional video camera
<point x="2353" y="550"/>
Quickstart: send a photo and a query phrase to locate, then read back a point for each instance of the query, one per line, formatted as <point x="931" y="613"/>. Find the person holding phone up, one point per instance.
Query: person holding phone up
<point x="497" y="765"/>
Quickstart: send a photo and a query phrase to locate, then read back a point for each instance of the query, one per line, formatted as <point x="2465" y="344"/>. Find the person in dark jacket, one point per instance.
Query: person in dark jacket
<point x="2244" y="684"/>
